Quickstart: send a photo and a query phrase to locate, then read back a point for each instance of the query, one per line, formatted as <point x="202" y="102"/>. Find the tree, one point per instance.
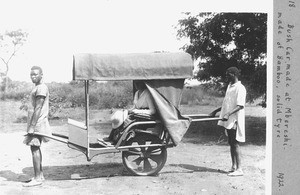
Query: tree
<point x="221" y="40"/>
<point x="10" y="43"/>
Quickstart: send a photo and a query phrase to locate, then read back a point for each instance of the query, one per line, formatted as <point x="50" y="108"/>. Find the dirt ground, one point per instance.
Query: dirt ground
<point x="191" y="168"/>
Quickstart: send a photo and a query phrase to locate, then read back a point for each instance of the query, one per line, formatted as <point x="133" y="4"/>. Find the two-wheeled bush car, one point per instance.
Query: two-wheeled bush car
<point x="144" y="142"/>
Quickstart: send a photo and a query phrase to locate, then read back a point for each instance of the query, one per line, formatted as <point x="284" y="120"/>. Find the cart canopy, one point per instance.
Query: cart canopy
<point x="167" y="110"/>
<point x="137" y="66"/>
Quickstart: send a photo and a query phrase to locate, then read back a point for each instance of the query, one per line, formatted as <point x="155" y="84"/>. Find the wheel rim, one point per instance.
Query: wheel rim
<point x="145" y="160"/>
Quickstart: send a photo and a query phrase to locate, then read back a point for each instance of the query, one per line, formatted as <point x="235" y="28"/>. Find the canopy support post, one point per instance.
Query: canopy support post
<point x="87" y="114"/>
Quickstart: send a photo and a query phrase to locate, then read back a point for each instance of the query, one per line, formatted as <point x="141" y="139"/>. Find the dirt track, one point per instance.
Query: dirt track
<point x="190" y="169"/>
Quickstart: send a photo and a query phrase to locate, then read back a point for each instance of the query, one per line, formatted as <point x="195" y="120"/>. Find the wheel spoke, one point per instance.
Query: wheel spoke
<point x="144" y="160"/>
<point x="133" y="151"/>
<point x="158" y="150"/>
<point x="147" y="165"/>
<point x="138" y="161"/>
<point x="152" y="150"/>
<point x="156" y="158"/>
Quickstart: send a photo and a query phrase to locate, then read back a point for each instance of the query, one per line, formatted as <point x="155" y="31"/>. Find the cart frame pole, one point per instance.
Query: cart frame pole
<point x="87" y="118"/>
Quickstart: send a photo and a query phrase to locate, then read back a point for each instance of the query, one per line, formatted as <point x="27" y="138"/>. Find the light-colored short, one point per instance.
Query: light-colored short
<point x="34" y="140"/>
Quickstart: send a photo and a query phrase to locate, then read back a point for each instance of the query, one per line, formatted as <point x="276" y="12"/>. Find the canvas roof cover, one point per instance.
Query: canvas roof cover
<point x="167" y="111"/>
<point x="137" y="66"/>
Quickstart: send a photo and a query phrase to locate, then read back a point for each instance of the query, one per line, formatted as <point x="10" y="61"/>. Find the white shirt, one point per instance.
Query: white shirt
<point x="235" y="96"/>
<point x="143" y="103"/>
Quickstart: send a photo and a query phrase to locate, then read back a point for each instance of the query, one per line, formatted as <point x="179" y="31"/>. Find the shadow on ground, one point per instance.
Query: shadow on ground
<point x="193" y="168"/>
<point x="68" y="172"/>
<point x="79" y="172"/>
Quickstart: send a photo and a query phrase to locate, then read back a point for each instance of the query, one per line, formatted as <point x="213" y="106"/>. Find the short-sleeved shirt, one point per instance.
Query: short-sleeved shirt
<point x="42" y="124"/>
<point x="235" y="96"/>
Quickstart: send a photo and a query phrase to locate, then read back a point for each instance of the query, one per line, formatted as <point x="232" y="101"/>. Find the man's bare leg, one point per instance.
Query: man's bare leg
<point x="37" y="167"/>
<point x="231" y="138"/>
<point x="236" y="158"/>
<point x="237" y="155"/>
<point x="37" y="162"/>
<point x="233" y="159"/>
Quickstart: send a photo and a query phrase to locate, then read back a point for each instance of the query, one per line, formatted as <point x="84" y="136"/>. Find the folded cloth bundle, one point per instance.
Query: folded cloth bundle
<point x="144" y="116"/>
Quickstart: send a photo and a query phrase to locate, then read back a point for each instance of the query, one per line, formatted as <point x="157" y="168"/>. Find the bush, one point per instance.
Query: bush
<point x="201" y="95"/>
<point x="68" y="95"/>
<point x="102" y="95"/>
<point x="16" y="90"/>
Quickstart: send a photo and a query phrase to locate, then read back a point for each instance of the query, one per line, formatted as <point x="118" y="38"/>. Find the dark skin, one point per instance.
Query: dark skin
<point x="36" y="77"/>
<point x="233" y="143"/>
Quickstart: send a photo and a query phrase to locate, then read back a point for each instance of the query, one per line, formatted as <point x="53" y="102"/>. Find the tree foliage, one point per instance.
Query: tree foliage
<point x="221" y="40"/>
<point x="10" y="43"/>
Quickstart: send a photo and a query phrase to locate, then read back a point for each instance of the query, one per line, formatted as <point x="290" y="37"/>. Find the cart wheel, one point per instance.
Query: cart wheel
<point x="146" y="160"/>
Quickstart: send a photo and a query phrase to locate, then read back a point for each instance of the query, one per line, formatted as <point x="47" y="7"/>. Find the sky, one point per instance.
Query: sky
<point x="60" y="28"/>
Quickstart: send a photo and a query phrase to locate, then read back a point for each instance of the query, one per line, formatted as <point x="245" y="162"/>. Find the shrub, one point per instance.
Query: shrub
<point x="102" y="95"/>
<point x="112" y="95"/>
<point x="16" y="90"/>
<point x="201" y="95"/>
